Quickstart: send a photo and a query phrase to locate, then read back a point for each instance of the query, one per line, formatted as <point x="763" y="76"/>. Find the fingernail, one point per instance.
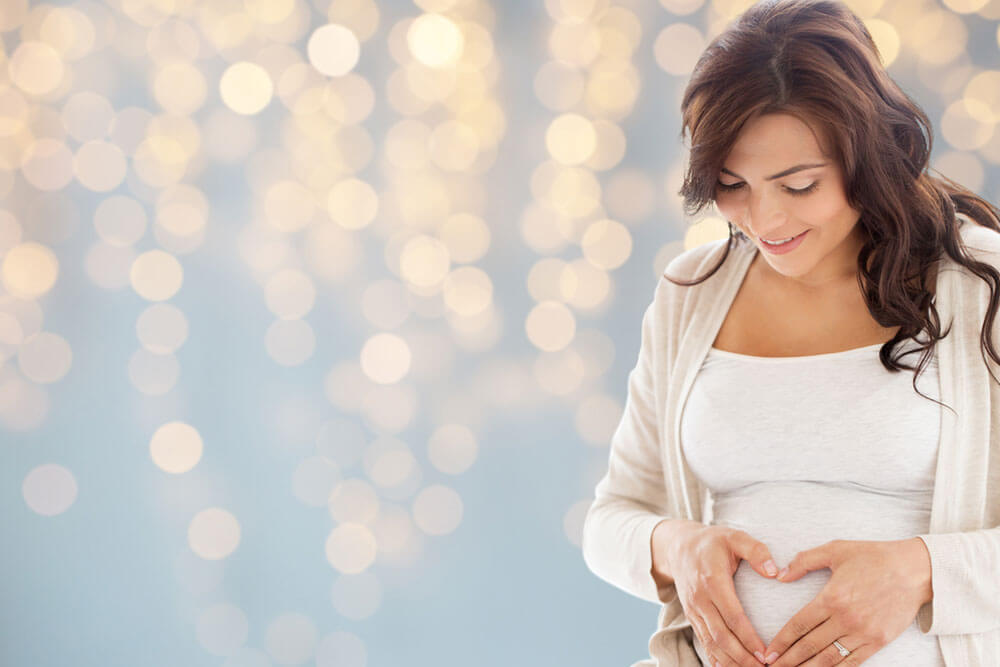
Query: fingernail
<point x="718" y="664"/>
<point x="759" y="656"/>
<point x="770" y="567"/>
<point x="783" y="572"/>
<point x="771" y="658"/>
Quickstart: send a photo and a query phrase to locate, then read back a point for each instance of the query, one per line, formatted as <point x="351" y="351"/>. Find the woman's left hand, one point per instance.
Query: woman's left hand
<point x="873" y="595"/>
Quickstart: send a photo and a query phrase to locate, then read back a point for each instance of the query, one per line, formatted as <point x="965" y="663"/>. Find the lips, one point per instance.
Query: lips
<point x="782" y="238"/>
<point x="785" y="248"/>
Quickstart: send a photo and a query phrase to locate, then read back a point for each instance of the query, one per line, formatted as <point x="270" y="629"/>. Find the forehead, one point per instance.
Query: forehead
<point x="774" y="140"/>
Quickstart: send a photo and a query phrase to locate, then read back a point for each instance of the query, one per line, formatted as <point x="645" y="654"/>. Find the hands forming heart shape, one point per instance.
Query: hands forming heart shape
<point x="875" y="591"/>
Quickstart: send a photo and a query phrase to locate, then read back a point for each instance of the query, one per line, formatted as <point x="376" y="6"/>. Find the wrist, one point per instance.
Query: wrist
<point x="921" y="558"/>
<point x="663" y="542"/>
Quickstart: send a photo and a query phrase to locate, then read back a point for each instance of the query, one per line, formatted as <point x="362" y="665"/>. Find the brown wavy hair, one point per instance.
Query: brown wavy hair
<point x="816" y="60"/>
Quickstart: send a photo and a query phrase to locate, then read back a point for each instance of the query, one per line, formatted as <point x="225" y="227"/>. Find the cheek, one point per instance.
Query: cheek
<point x="733" y="208"/>
<point x="830" y="211"/>
<point x="822" y="208"/>
<point x="733" y="212"/>
<point x="728" y="207"/>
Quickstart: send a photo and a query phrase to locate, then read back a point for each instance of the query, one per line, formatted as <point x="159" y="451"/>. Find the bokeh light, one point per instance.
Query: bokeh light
<point x="438" y="510"/>
<point x="44" y="357"/>
<point x="214" y="533"/>
<point x="333" y="49"/>
<point x="29" y="270"/>
<point x="351" y="548"/>
<point x="435" y="40"/>
<point x="156" y="275"/>
<point x="176" y="447"/>
<point x="49" y="489"/>
<point x="246" y="88"/>
<point x="36" y="68"/>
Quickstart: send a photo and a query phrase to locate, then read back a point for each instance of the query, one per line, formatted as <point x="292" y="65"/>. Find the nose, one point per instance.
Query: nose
<point x="764" y="214"/>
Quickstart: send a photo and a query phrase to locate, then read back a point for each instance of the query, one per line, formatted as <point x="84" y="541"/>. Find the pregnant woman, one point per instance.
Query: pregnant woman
<point x="770" y="422"/>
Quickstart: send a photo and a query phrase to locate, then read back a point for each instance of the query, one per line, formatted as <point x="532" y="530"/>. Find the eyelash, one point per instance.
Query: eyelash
<point x="791" y="191"/>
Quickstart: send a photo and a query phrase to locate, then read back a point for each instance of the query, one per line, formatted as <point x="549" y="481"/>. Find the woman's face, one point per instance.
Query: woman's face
<point x="767" y="202"/>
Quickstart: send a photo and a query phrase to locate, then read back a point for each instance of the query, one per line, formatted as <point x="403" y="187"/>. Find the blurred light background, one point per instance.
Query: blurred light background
<point x="316" y="316"/>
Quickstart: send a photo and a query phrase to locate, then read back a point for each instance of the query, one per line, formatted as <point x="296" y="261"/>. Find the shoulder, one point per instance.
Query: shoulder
<point x="982" y="243"/>
<point x="675" y="303"/>
<point x="695" y="263"/>
<point x="692" y="262"/>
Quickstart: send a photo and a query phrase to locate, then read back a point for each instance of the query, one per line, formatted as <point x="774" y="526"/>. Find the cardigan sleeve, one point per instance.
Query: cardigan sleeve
<point x="630" y="499"/>
<point x="965" y="577"/>
<point x="965" y="565"/>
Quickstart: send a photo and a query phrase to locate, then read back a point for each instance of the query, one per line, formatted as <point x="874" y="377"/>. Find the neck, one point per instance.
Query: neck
<point x="811" y="287"/>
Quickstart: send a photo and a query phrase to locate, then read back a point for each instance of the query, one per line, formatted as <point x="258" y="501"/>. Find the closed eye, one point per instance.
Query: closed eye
<point x="792" y="191"/>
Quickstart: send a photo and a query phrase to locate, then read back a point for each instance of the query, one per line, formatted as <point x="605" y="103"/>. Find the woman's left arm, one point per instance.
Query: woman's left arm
<point x="949" y="582"/>
<point x="965" y="577"/>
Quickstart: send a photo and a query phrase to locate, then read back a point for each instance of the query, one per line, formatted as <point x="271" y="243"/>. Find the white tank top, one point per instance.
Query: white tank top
<point x="799" y="451"/>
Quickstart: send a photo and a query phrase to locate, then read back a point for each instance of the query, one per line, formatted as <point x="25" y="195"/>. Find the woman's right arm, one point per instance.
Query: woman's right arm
<point x="630" y="500"/>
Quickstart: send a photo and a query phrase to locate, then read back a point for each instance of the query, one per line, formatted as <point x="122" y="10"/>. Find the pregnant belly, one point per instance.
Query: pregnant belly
<point x="769" y="604"/>
<point x="790" y="517"/>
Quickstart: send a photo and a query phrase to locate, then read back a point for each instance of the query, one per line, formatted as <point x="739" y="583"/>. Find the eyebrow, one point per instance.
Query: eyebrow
<point x="790" y="170"/>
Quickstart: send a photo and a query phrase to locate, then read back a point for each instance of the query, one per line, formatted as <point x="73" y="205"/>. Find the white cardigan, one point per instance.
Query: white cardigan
<point x="648" y="480"/>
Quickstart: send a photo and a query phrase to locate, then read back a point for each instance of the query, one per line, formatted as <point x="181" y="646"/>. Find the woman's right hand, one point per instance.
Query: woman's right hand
<point x="702" y="561"/>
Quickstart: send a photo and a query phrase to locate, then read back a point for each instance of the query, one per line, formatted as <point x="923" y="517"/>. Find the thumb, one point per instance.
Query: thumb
<point x="806" y="561"/>
<point x="754" y="552"/>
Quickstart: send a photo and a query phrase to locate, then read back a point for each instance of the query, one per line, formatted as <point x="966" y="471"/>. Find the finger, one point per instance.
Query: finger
<point x="755" y="553"/>
<point x="700" y="630"/>
<point x="815" y="644"/>
<point x="858" y="655"/>
<point x="713" y="650"/>
<point x="809" y="560"/>
<point x="726" y="642"/>
<point x="831" y="654"/>
<point x="704" y="638"/>
<point x="797" y="627"/>
<point x="736" y="619"/>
